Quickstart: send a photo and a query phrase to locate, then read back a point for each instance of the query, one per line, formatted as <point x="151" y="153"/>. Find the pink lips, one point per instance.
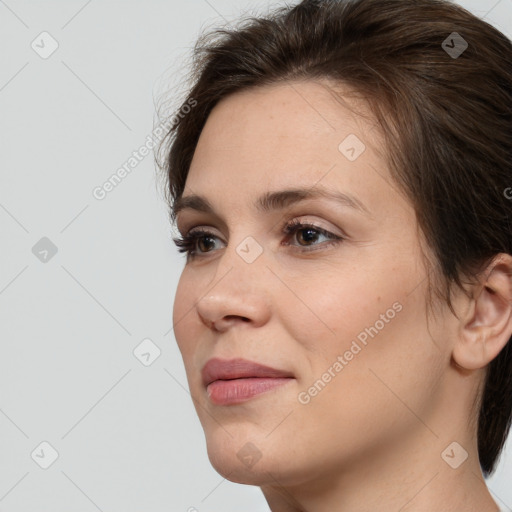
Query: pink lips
<point x="237" y="380"/>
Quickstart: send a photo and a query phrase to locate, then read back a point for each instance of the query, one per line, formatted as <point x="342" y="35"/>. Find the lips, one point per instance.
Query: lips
<point x="230" y="369"/>
<point x="235" y="381"/>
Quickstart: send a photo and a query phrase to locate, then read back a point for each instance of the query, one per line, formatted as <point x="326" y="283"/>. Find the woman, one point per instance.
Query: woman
<point x="345" y="311"/>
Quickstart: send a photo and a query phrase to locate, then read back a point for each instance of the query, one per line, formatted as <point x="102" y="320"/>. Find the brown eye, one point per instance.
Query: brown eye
<point x="308" y="235"/>
<point x="196" y="242"/>
<point x="205" y="243"/>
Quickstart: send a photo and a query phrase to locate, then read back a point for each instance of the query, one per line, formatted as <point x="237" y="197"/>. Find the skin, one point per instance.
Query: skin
<point x="373" y="437"/>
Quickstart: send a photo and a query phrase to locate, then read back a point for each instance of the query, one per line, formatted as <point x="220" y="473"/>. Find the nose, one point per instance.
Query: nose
<point x="239" y="294"/>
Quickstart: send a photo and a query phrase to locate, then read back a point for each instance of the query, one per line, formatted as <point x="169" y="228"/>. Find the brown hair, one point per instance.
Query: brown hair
<point x="446" y="119"/>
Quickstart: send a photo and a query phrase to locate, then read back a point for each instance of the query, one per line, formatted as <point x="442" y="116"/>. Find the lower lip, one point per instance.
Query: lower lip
<point x="225" y="392"/>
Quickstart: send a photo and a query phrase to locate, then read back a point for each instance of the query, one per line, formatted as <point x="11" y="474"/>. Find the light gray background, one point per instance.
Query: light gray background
<point x="127" y="434"/>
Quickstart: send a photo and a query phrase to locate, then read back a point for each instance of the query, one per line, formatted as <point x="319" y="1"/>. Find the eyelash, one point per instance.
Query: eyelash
<point x="187" y="243"/>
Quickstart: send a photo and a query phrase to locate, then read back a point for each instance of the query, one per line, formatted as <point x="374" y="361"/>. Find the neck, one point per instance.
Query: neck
<point x="401" y="479"/>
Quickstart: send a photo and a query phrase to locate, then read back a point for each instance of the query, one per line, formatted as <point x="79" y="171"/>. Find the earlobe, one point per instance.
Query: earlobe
<point x="487" y="327"/>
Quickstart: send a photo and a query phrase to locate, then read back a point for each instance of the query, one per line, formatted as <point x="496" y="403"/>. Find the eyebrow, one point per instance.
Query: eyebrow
<point x="272" y="201"/>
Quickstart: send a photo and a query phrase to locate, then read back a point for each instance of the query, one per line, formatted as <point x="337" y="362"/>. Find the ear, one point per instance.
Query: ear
<point x="487" y="326"/>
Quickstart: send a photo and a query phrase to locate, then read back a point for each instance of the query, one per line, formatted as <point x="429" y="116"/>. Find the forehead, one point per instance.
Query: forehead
<point x="283" y="136"/>
<point x="279" y="114"/>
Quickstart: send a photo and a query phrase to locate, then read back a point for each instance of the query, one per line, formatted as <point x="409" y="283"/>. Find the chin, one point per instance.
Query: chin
<point x="245" y="458"/>
<point x="238" y="470"/>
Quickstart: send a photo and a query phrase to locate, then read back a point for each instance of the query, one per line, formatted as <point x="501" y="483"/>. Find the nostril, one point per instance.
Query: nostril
<point x="233" y="317"/>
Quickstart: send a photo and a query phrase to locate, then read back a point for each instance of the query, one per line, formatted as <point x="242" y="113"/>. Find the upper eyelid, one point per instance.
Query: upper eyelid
<point x="295" y="225"/>
<point x="294" y="222"/>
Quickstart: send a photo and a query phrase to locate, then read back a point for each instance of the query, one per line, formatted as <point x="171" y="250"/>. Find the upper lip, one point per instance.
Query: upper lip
<point x="226" y="369"/>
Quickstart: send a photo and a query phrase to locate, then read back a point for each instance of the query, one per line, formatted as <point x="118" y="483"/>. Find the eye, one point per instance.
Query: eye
<point x="190" y="242"/>
<point x="310" y="234"/>
<point x="200" y="241"/>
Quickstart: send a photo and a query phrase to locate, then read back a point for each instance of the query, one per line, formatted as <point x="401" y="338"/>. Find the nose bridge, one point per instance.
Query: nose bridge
<point x="242" y="266"/>
<point x="238" y="286"/>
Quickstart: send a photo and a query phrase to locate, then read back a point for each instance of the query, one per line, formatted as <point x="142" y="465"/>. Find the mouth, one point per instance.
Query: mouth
<point x="238" y="380"/>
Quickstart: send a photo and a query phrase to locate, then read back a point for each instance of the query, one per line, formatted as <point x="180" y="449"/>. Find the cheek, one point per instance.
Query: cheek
<point x="387" y="360"/>
<point x="183" y="314"/>
<point x="333" y="306"/>
<point x="372" y="321"/>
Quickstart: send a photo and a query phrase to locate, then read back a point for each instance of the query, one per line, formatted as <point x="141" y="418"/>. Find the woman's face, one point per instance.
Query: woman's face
<point x="341" y="314"/>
